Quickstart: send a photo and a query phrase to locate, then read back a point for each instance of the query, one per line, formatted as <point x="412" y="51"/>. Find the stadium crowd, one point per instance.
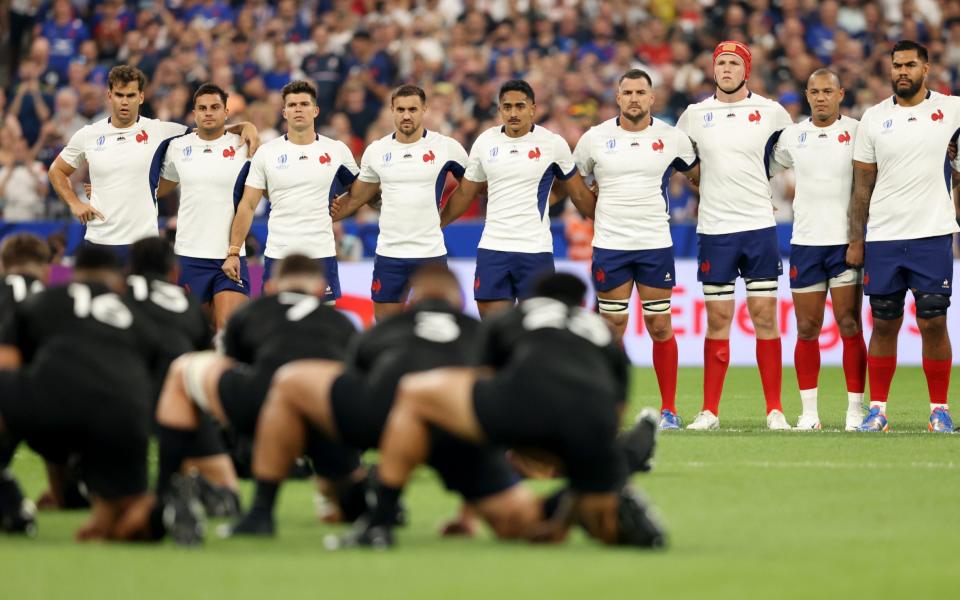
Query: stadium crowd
<point x="355" y="51"/>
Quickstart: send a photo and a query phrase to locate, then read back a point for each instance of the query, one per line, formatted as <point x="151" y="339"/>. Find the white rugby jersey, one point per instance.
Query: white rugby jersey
<point x="632" y="170"/>
<point x="300" y="181"/>
<point x="821" y="158"/>
<point x="211" y="175"/>
<point x="519" y="173"/>
<point x="912" y="196"/>
<point x="732" y="139"/>
<point x="121" y="161"/>
<point x="411" y="178"/>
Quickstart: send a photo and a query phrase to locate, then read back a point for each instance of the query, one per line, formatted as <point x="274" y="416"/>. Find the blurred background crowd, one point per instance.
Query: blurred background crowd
<point x="57" y="54"/>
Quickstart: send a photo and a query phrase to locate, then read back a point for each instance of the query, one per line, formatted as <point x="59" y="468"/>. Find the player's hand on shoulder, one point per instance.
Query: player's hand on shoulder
<point x="952" y="150"/>
<point x="337" y="204"/>
<point x="251" y="138"/>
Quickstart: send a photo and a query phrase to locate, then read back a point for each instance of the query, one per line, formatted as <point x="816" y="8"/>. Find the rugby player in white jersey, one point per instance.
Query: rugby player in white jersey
<point x="733" y="130"/>
<point x="300" y="173"/>
<point x="210" y="165"/>
<point x="409" y="169"/>
<point x="820" y="151"/>
<point x="902" y="198"/>
<point x="631" y="157"/>
<point x="121" y="154"/>
<point x="517" y="163"/>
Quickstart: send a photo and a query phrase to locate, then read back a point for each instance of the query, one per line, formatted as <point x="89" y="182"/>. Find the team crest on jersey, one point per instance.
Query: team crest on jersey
<point x="282" y="161"/>
<point x="708" y="120"/>
<point x="937" y="117"/>
<point x="230" y="152"/>
<point x="658" y="146"/>
<point x="325" y="159"/>
<point x="429" y="157"/>
<point x="754" y="117"/>
<point x="534" y="154"/>
<point x="844" y="138"/>
<point x="142" y="137"/>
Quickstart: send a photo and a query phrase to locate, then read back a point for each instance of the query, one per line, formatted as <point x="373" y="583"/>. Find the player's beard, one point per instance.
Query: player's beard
<point x="638" y="118"/>
<point x="908" y="92"/>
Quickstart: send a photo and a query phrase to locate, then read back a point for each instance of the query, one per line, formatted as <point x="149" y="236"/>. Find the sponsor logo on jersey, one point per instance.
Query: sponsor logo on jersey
<point x="844" y="138"/>
<point x="534" y="154"/>
<point x="407" y="156"/>
<point x="946" y="284"/>
<point x="429" y="157"/>
<point x="755" y="117"/>
<point x="325" y="159"/>
<point x="121" y="139"/>
<point x="230" y="152"/>
<point x="658" y="146"/>
<point x="667" y="277"/>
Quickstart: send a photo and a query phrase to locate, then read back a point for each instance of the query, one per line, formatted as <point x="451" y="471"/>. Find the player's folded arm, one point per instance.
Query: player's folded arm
<point x="460" y="200"/>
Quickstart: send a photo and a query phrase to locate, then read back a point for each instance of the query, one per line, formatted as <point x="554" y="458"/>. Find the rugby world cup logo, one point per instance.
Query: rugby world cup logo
<point x="387" y="157"/>
<point x="708" y="120"/>
<point x="100" y="142"/>
<point x="611" y="144"/>
<point x="803" y="138"/>
<point x="282" y="161"/>
<point x="187" y="152"/>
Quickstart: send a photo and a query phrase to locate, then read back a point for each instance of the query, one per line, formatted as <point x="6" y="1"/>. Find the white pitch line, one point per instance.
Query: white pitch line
<point x="813" y="465"/>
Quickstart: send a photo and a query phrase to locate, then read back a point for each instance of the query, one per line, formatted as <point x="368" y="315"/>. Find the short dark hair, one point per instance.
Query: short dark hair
<point x="564" y="287"/>
<point x="23" y="249"/>
<point x="408" y="90"/>
<point x="96" y="258"/>
<point x="825" y="71"/>
<point x="210" y="88"/>
<point x="297" y="265"/>
<point x="517" y="85"/>
<point x="121" y="75"/>
<point x="907" y="45"/>
<point x="299" y="87"/>
<point x="152" y="256"/>
<point x="636" y="74"/>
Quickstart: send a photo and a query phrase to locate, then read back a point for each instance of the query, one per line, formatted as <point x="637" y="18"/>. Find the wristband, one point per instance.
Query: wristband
<point x="233" y="249"/>
<point x="229" y="254"/>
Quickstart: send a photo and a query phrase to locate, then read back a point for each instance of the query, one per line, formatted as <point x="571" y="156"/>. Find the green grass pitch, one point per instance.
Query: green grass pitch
<point x="752" y="514"/>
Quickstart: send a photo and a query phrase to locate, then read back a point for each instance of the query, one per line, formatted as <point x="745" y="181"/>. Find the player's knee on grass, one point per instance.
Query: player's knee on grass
<point x="931" y="306"/>
<point x="887" y="307"/>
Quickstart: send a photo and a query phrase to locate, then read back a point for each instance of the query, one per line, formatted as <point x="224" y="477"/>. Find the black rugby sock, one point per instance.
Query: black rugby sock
<point x="174" y="445"/>
<point x="265" y="498"/>
<point x="352" y="498"/>
<point x="385" y="511"/>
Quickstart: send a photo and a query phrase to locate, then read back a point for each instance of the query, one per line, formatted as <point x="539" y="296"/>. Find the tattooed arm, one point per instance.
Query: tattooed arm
<point x="864" y="179"/>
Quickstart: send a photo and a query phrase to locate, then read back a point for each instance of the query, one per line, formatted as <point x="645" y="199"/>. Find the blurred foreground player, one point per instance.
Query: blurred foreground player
<point x="559" y="389"/>
<point x="24" y="268"/>
<point x="85" y="388"/>
<point x="291" y="322"/>
<point x="903" y="203"/>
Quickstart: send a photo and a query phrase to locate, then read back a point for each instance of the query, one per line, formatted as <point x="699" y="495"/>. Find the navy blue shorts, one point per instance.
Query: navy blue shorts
<point x="121" y="250"/>
<point x="508" y="275"/>
<point x="924" y="265"/>
<point x="391" y="276"/>
<point x="613" y="268"/>
<point x="810" y="265"/>
<point x="330" y="273"/>
<point x="203" y="278"/>
<point x="753" y="254"/>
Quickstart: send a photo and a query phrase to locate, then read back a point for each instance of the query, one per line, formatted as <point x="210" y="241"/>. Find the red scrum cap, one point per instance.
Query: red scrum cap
<point x="738" y="48"/>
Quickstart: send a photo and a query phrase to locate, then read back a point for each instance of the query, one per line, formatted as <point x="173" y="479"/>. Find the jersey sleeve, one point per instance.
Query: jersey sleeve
<point x="367" y="172"/>
<point x="683" y="123"/>
<point x="171" y="129"/>
<point x="475" y="170"/>
<point x="781" y="118"/>
<point x="457" y="158"/>
<point x="863" y="149"/>
<point x="73" y="154"/>
<point x="582" y="155"/>
<point x="686" y="154"/>
<point x="780" y="158"/>
<point x="257" y="176"/>
<point x="563" y="158"/>
<point x="168" y="170"/>
<point x="349" y="163"/>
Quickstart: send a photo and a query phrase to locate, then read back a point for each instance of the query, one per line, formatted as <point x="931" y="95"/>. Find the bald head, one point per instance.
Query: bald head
<point x="824" y="93"/>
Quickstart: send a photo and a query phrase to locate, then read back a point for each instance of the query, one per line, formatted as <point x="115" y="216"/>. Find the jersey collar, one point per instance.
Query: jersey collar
<point x="749" y="94"/>
<point x="618" y="123"/>
<point x="503" y="128"/>
<point x="110" y="121"/>
<point x="394" y="135"/>
<point x="927" y="97"/>
<point x="317" y="137"/>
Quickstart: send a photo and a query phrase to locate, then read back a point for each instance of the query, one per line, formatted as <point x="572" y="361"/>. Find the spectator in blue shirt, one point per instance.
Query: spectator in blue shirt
<point x="65" y="33"/>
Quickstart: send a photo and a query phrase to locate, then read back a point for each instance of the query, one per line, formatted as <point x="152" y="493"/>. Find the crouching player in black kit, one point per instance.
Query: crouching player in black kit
<point x="560" y="387"/>
<point x="349" y="402"/>
<point x="291" y="322"/>
<point x="85" y="388"/>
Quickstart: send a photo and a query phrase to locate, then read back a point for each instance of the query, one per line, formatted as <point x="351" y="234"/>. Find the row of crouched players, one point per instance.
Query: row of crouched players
<point x="427" y="386"/>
